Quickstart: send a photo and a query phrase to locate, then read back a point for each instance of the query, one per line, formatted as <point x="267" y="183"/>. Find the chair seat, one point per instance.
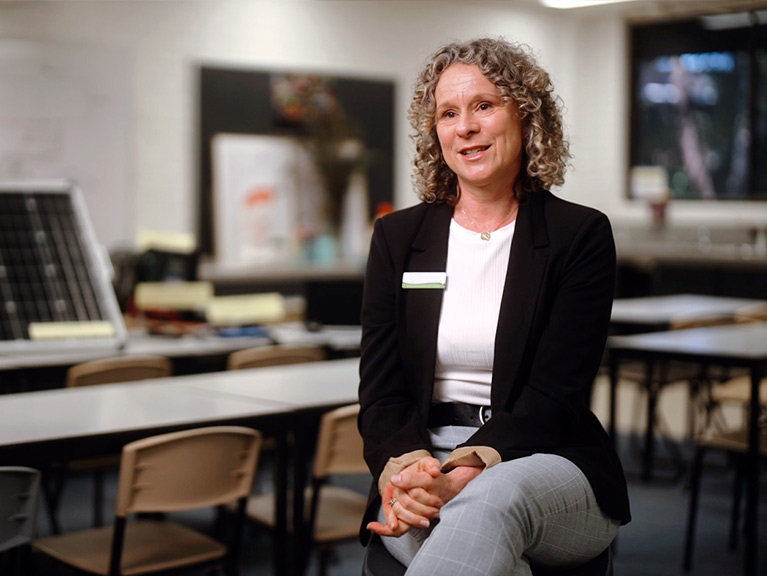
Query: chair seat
<point x="150" y="546"/>
<point x="674" y="371"/>
<point x="732" y="440"/>
<point x="338" y="517"/>
<point x="738" y="390"/>
<point x="599" y="566"/>
<point x="378" y="561"/>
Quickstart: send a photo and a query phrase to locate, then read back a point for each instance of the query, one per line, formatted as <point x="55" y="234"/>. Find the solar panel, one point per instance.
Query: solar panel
<point x="55" y="290"/>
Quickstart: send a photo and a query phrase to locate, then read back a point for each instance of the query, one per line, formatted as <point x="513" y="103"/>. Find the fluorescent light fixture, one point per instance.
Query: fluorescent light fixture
<point x="734" y="20"/>
<point x="564" y="4"/>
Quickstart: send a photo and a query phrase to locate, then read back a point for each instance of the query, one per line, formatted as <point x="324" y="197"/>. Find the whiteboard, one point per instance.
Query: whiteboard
<point x="65" y="113"/>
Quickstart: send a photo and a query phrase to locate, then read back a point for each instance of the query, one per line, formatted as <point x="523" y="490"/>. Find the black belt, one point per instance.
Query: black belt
<point x="455" y="414"/>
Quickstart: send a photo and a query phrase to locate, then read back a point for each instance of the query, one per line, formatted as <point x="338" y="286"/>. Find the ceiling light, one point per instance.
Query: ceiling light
<point x="563" y="4"/>
<point x="734" y="20"/>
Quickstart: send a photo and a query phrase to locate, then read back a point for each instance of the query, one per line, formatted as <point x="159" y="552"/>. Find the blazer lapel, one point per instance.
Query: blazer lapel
<point x="527" y="265"/>
<point x="428" y="253"/>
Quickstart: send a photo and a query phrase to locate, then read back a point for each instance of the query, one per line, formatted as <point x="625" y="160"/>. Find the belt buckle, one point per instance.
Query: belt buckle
<point x="484" y="413"/>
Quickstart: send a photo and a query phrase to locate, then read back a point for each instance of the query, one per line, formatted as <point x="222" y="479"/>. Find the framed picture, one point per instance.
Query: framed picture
<point x="266" y="192"/>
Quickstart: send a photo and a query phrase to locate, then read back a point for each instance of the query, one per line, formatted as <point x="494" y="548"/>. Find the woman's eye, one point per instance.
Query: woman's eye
<point x="448" y="114"/>
<point x="485" y="106"/>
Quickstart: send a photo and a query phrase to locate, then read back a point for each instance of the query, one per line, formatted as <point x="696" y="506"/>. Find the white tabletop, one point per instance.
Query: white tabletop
<point x="739" y="342"/>
<point x="196" y="399"/>
<point x="302" y="386"/>
<point x="680" y="307"/>
<point x="336" y="337"/>
<point x="35" y="417"/>
<point x="136" y="345"/>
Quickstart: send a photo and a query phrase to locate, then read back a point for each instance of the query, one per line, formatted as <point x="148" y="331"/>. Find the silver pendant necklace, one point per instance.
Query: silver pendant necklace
<point x="483" y="235"/>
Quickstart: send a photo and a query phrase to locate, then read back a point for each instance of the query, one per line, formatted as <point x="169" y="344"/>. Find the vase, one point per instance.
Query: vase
<point x="323" y="250"/>
<point x="354" y="228"/>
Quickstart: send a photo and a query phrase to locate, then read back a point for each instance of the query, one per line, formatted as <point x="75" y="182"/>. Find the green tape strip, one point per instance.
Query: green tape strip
<point x="429" y="286"/>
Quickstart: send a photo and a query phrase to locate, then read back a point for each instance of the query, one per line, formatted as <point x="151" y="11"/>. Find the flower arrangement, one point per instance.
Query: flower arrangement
<point x="308" y="105"/>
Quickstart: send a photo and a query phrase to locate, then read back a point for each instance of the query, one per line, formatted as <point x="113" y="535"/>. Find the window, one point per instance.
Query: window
<point x="699" y="106"/>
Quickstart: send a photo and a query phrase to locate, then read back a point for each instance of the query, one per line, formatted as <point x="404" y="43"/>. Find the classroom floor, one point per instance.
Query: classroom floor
<point x="651" y="545"/>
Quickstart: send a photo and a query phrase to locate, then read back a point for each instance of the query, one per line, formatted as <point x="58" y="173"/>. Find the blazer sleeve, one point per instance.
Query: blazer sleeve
<point x="564" y="350"/>
<point x="389" y="420"/>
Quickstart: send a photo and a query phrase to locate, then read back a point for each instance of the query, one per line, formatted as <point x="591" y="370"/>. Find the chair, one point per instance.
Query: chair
<point x="334" y="512"/>
<point x="734" y="442"/>
<point x="119" y="369"/>
<point x="19" y="490"/>
<point x="378" y="562"/>
<point x="175" y="472"/>
<point x="93" y="373"/>
<point x="277" y="355"/>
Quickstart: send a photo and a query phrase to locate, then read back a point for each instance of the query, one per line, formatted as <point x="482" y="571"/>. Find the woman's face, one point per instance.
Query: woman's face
<point x="481" y="138"/>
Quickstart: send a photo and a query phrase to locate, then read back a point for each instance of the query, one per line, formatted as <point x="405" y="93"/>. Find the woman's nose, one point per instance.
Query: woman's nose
<point x="467" y="125"/>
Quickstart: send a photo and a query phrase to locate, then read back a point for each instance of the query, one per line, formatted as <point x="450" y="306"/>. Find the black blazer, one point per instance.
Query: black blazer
<point x="552" y="328"/>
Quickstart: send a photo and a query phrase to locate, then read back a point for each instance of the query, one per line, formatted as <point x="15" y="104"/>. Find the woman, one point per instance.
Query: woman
<point x="485" y="315"/>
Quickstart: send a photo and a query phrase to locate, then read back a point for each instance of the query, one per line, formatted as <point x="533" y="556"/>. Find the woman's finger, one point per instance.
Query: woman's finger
<point x="384" y="530"/>
<point x="412" y="513"/>
<point x="415" y="510"/>
<point x="424" y="498"/>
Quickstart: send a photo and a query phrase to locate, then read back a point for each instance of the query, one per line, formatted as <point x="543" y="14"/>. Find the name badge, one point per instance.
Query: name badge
<point x="424" y="280"/>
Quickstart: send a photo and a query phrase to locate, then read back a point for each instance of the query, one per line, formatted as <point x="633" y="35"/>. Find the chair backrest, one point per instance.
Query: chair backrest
<point x="751" y="313"/>
<point x="186" y="470"/>
<point x="682" y="324"/>
<point x="119" y="369"/>
<point x="277" y="355"/>
<point x="339" y="446"/>
<point x="19" y="490"/>
<point x="738" y="391"/>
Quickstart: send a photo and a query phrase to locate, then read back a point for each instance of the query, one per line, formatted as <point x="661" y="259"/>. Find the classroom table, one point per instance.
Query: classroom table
<point x="62" y="424"/>
<point x="35" y="368"/>
<point x="655" y="313"/>
<point x="342" y="339"/>
<point x="738" y="345"/>
<point x="666" y="312"/>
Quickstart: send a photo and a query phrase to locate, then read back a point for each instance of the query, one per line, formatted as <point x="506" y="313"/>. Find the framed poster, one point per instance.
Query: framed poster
<point x="266" y="190"/>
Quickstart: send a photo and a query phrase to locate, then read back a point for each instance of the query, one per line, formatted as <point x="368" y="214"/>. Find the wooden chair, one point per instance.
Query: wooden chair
<point x="19" y="490"/>
<point x="118" y="369"/>
<point x="334" y="512"/>
<point x="94" y="373"/>
<point x="733" y="441"/>
<point x="175" y="472"/>
<point x="277" y="355"/>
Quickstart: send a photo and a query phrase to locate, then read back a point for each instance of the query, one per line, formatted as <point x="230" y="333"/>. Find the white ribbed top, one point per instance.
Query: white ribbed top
<point x="476" y="273"/>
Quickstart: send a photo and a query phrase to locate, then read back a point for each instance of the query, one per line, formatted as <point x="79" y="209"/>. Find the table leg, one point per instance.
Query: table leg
<point x="613" y="362"/>
<point x="281" y="555"/>
<point x="752" y="475"/>
<point x="304" y="444"/>
<point x="649" y="437"/>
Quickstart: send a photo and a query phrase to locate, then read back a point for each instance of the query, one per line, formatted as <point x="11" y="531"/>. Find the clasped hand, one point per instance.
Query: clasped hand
<point x="418" y="492"/>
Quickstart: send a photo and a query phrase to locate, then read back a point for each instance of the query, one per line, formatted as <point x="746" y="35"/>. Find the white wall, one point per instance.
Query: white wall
<point x="584" y="53"/>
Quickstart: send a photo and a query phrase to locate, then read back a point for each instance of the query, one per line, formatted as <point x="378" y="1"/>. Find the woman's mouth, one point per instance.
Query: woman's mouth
<point x="469" y="152"/>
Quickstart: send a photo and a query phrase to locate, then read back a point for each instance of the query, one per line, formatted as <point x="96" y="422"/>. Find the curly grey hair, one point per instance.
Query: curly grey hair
<point x="518" y="77"/>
